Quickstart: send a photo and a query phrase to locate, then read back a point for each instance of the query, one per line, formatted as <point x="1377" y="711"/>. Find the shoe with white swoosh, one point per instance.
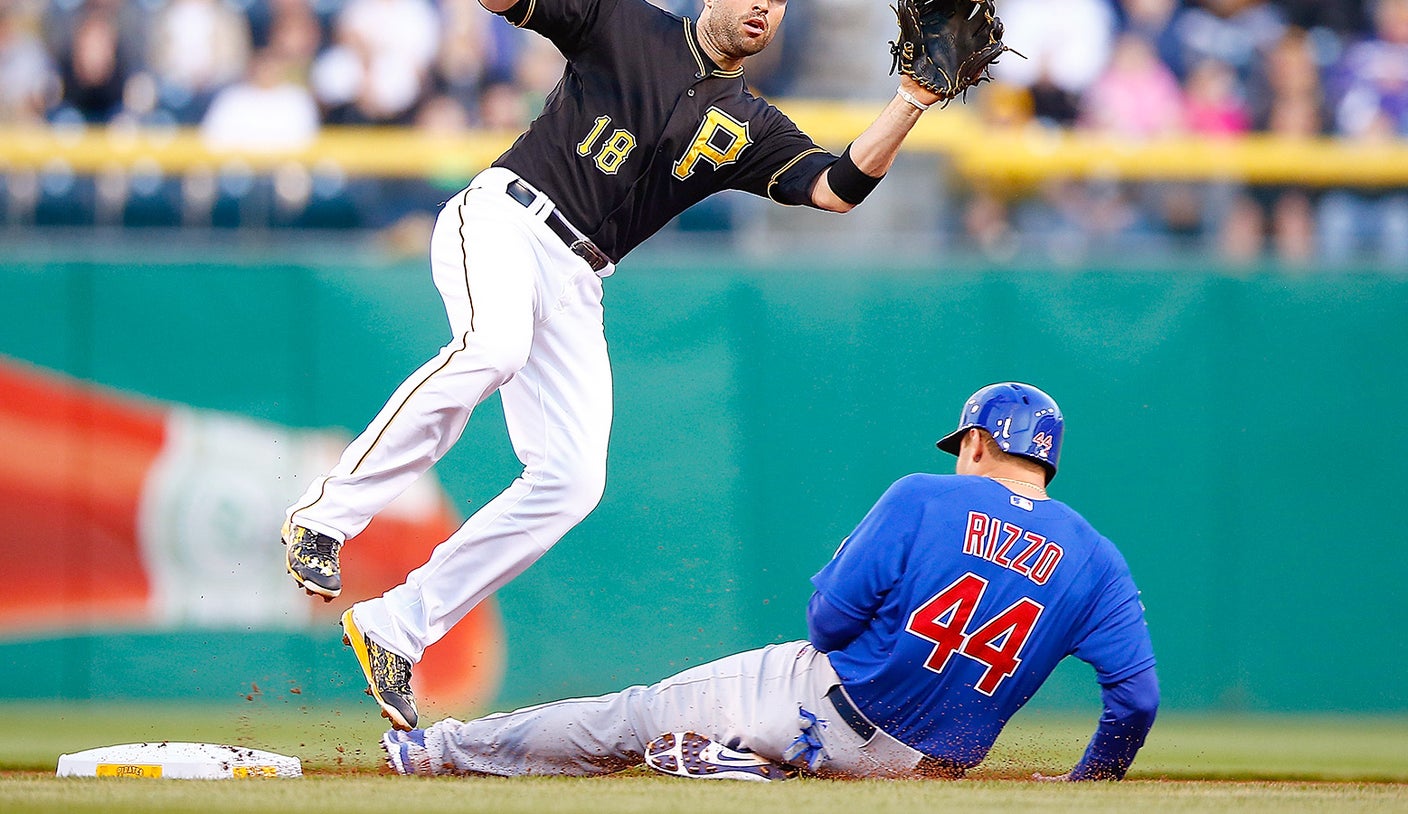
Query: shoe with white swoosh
<point x="687" y="754"/>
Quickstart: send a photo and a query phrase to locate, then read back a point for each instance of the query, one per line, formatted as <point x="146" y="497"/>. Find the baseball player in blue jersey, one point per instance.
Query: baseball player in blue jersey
<point x="936" y="620"/>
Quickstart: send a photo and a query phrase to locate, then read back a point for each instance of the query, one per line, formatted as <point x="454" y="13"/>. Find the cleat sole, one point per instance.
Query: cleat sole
<point x="315" y="590"/>
<point x="688" y="754"/>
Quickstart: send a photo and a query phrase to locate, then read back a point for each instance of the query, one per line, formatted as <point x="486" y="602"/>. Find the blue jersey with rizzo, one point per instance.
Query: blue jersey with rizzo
<point x="970" y="595"/>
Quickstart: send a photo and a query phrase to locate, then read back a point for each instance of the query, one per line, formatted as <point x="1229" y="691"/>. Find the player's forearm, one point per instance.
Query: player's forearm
<point x="874" y="150"/>
<point x="498" y="6"/>
<point x="1130" y="707"/>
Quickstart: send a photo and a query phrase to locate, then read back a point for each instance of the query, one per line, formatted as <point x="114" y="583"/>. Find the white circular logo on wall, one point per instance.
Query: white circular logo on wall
<point x="209" y="518"/>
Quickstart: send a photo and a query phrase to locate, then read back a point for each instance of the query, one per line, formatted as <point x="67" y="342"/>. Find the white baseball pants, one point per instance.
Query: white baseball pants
<point x="751" y="700"/>
<point x="526" y="319"/>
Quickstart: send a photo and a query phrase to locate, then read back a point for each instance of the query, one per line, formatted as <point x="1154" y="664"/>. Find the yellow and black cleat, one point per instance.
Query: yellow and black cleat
<point x="312" y="559"/>
<point x="388" y="675"/>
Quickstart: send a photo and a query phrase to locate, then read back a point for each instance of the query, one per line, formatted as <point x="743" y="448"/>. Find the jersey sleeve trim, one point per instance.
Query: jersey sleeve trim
<point x="846" y="608"/>
<point x="1138" y="667"/>
<point x="772" y="182"/>
<point x="527" y="14"/>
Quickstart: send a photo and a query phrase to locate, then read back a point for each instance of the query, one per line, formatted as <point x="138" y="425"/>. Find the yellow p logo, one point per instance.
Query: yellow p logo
<point x="720" y="140"/>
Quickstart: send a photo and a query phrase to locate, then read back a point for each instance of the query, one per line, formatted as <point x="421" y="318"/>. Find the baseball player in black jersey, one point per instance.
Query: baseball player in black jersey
<point x="651" y="116"/>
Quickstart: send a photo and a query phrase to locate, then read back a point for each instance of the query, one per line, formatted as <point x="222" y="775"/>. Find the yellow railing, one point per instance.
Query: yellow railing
<point x="1035" y="154"/>
<point x="357" y="151"/>
<point x="1025" y="156"/>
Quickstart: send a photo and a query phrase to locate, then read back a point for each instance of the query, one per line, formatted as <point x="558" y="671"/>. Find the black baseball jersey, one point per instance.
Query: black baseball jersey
<point x="643" y="124"/>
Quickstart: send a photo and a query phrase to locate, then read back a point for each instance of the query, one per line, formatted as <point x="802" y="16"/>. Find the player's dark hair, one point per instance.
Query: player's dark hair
<point x="991" y="447"/>
<point x="1000" y="455"/>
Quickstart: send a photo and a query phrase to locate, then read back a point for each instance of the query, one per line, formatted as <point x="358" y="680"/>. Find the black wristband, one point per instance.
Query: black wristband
<point x="847" y="181"/>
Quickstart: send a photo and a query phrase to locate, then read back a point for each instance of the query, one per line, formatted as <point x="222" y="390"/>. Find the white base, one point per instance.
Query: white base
<point x="182" y="761"/>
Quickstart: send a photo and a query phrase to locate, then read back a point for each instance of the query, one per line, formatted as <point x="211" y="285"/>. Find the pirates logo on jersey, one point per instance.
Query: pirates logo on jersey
<point x="719" y="141"/>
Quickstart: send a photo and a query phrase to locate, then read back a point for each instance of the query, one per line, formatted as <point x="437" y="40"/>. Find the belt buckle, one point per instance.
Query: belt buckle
<point x="588" y="251"/>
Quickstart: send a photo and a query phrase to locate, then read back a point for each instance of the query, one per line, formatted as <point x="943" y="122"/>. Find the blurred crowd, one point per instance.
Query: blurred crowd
<point x="1214" y="69"/>
<point x="271" y="73"/>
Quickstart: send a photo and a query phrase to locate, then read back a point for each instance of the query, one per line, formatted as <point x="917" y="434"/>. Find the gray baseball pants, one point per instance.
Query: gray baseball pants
<point x="760" y="700"/>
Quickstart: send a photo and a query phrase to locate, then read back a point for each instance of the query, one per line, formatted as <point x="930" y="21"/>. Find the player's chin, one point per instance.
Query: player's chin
<point x="755" y="43"/>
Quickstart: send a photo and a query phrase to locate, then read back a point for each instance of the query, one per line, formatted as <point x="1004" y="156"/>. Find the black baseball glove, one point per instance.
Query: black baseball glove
<point x="947" y="45"/>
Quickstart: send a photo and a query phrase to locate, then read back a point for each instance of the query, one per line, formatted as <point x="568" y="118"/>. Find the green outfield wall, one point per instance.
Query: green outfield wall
<point x="1241" y="438"/>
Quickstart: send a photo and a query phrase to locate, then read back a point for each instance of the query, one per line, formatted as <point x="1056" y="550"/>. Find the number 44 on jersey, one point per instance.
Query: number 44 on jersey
<point x="996" y="644"/>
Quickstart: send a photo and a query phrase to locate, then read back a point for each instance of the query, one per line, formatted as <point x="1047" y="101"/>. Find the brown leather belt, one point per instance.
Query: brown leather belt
<point x="579" y="246"/>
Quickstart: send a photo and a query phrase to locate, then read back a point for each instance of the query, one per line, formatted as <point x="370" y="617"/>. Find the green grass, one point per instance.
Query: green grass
<point x="33" y="736"/>
<point x="1203" y="747"/>
<point x="661" y="795"/>
<point x="1192" y="763"/>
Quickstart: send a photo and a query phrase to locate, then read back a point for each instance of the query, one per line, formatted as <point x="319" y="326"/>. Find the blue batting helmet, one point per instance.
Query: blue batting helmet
<point x="1021" y="418"/>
